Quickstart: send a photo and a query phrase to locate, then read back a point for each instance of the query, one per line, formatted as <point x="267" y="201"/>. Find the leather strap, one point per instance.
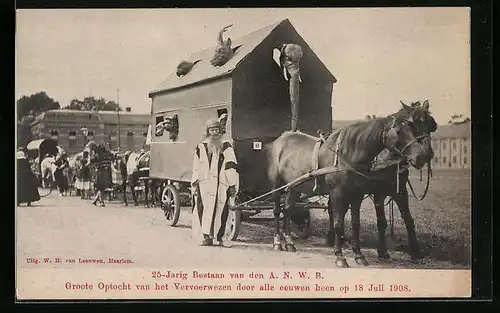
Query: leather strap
<point x="337" y="148"/>
<point x="315" y="158"/>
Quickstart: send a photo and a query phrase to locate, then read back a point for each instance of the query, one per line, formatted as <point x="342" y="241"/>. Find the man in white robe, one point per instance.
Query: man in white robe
<point x="215" y="179"/>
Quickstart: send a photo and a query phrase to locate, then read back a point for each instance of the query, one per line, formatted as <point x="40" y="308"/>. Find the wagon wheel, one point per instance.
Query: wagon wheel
<point x="234" y="224"/>
<point x="171" y="204"/>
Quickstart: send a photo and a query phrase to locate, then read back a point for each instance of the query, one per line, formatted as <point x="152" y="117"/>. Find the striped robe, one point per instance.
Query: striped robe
<point x="214" y="178"/>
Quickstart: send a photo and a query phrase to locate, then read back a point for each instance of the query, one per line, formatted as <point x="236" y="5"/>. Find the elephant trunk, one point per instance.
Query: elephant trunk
<point x="291" y="62"/>
<point x="294" y="96"/>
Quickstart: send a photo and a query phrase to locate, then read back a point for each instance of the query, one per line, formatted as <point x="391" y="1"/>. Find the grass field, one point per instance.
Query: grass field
<point x="442" y="219"/>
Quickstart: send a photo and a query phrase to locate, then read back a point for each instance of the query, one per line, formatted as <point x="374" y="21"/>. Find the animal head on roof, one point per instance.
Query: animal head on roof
<point x="223" y="51"/>
<point x="185" y="67"/>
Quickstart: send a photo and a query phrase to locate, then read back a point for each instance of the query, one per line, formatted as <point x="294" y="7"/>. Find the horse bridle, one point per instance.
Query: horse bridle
<point x="417" y="139"/>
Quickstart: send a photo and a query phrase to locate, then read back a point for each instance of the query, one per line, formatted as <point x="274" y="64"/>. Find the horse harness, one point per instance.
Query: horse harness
<point x="400" y="167"/>
<point x="315" y="156"/>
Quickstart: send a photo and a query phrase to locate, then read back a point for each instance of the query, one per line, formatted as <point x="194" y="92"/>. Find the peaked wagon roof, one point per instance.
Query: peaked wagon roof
<point x="203" y="70"/>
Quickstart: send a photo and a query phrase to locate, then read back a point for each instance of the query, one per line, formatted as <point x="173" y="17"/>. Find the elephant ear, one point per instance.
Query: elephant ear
<point x="228" y="42"/>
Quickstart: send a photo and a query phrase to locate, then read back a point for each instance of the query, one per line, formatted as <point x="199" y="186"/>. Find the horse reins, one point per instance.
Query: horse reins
<point x="429" y="175"/>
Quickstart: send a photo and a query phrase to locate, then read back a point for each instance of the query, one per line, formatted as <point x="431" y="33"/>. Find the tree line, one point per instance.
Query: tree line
<point x="40" y="102"/>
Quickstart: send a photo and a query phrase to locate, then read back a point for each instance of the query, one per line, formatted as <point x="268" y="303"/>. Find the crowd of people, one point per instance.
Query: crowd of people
<point x="215" y="181"/>
<point x="55" y="172"/>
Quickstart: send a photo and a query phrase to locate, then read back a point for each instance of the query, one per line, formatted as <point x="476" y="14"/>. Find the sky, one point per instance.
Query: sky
<point x="380" y="56"/>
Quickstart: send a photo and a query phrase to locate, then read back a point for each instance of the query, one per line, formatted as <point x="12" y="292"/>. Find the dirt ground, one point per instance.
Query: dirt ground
<point x="68" y="227"/>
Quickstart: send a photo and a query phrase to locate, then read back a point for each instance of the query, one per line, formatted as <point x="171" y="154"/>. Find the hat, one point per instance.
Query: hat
<point x="20" y="155"/>
<point x="212" y="123"/>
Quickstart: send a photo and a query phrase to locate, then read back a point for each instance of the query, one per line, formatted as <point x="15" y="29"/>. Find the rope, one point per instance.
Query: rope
<point x="391" y="218"/>
<point x="397" y="179"/>
<point x="429" y="175"/>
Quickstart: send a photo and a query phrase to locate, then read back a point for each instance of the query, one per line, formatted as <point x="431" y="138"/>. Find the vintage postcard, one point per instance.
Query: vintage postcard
<point x="243" y="153"/>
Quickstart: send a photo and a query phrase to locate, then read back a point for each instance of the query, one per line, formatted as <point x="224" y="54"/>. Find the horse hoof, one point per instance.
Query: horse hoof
<point x="361" y="261"/>
<point x="417" y="260"/>
<point x="384" y="258"/>
<point x="341" y="262"/>
<point x="277" y="247"/>
<point x="290" y="248"/>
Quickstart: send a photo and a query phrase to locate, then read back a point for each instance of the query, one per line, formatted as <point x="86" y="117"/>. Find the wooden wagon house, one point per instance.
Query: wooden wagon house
<point x="252" y="89"/>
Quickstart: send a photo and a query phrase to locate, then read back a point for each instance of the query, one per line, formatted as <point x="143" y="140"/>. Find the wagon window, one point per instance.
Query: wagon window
<point x="221" y="111"/>
<point x="158" y="130"/>
<point x="223" y="121"/>
<point x="276" y="56"/>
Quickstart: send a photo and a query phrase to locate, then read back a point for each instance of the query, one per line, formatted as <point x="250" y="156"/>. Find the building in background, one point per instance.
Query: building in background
<point x="72" y="129"/>
<point x="451" y="143"/>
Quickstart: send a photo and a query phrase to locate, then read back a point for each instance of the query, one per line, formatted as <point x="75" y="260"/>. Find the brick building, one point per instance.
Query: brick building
<point x="65" y="126"/>
<point x="452" y="145"/>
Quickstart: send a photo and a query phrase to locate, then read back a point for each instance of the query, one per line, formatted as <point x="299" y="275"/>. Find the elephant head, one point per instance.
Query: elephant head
<point x="169" y="124"/>
<point x="290" y="57"/>
<point x="223" y="50"/>
<point x="172" y="126"/>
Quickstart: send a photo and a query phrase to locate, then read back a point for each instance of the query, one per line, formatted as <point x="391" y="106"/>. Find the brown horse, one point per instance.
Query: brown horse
<point x="383" y="184"/>
<point x="289" y="157"/>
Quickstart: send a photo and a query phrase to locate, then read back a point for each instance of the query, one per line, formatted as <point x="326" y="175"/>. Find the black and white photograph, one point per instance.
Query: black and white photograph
<point x="243" y="153"/>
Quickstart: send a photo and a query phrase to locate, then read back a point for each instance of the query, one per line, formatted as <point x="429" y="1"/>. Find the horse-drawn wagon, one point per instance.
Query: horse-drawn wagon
<point x="255" y="96"/>
<point x="251" y="95"/>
